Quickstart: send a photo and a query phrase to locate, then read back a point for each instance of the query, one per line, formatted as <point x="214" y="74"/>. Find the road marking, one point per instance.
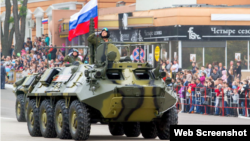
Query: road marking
<point x="8" y="118"/>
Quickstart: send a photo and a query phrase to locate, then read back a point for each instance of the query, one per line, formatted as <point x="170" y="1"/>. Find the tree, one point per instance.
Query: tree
<point x="19" y="32"/>
<point x="7" y="33"/>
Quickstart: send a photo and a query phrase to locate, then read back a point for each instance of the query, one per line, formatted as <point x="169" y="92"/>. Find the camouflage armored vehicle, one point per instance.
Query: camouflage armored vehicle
<point x="21" y="88"/>
<point x="130" y="97"/>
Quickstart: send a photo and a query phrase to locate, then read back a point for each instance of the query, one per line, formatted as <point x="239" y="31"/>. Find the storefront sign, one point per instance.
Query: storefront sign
<point x="64" y="36"/>
<point x="157" y="53"/>
<point x="188" y="33"/>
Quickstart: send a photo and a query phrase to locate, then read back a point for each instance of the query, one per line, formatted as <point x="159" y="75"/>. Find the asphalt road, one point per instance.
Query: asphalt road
<point x="13" y="130"/>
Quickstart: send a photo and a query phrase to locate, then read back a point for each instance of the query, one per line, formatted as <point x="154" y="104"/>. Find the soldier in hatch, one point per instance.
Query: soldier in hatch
<point x="72" y="57"/>
<point x="103" y="37"/>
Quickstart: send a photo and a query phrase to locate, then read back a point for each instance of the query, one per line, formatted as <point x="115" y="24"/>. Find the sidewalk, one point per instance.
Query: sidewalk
<point x="9" y="86"/>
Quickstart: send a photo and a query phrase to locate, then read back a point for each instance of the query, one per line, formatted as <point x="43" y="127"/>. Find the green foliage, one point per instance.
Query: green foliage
<point x="22" y="9"/>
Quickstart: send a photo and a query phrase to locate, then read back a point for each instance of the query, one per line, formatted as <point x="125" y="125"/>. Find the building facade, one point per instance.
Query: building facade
<point x="39" y="10"/>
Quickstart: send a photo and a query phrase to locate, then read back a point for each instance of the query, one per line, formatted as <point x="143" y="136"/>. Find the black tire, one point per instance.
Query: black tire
<point x="46" y="119"/>
<point x="163" y="125"/>
<point x="79" y="121"/>
<point x="26" y="107"/>
<point x="20" y="110"/>
<point x="61" y="118"/>
<point x="132" y="129"/>
<point x="148" y="130"/>
<point x="116" y="128"/>
<point x="33" y="119"/>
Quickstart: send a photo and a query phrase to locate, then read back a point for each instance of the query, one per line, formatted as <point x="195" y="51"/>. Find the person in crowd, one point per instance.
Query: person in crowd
<point x="221" y="68"/>
<point x="242" y="94"/>
<point x="209" y="70"/>
<point x="218" y="97"/>
<point x="235" y="97"/>
<point x="53" y="53"/>
<point x="29" y="42"/>
<point x="7" y="61"/>
<point x="231" y="66"/>
<point x="3" y="74"/>
<point x="196" y="71"/>
<point x="227" y="92"/>
<point x="224" y="76"/>
<point x="52" y="65"/>
<point x="214" y="75"/>
<point x="230" y="77"/>
<point x="238" y="71"/>
<point x="202" y="70"/>
<point x="163" y="65"/>
<point x="168" y="66"/>
<point x="234" y="85"/>
<point x="218" y="71"/>
<point x="26" y="71"/>
<point x="181" y="93"/>
<point x="174" y="69"/>
<point x="203" y="78"/>
<point x="199" y="96"/>
<point x="192" y="88"/>
<point x="193" y="67"/>
<point x="47" y="40"/>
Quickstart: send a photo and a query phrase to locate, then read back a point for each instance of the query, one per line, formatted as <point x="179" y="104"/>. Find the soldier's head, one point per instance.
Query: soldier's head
<point x="75" y="52"/>
<point x="105" y="33"/>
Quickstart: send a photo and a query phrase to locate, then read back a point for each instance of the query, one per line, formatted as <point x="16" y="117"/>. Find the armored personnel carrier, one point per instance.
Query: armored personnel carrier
<point x="130" y="97"/>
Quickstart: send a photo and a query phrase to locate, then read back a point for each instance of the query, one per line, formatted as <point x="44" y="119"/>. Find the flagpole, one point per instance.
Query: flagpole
<point x="97" y="20"/>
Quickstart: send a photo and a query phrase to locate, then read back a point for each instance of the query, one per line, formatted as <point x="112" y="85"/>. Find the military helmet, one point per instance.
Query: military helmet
<point x="108" y="34"/>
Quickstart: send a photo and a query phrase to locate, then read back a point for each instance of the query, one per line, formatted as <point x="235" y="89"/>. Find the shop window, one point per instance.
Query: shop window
<point x="214" y="56"/>
<point x="186" y="62"/>
<point x="165" y="52"/>
<point x="174" y="50"/>
<point x="124" y="51"/>
<point x="237" y="51"/>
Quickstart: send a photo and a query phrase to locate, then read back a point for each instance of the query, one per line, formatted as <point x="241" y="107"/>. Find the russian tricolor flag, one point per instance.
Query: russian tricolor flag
<point x="44" y="21"/>
<point x="79" y="22"/>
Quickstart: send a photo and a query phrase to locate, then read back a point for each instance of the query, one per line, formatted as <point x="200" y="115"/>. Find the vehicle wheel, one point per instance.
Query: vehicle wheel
<point x="61" y="116"/>
<point x="79" y="121"/>
<point x="148" y="130"/>
<point x="26" y="107"/>
<point x="46" y="120"/>
<point x="20" y="113"/>
<point x="132" y="129"/>
<point x="33" y="119"/>
<point x="116" y="128"/>
<point x="163" y="125"/>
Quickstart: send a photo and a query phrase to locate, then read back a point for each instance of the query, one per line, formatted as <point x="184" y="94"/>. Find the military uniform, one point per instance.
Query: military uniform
<point x="71" y="59"/>
<point x="93" y="38"/>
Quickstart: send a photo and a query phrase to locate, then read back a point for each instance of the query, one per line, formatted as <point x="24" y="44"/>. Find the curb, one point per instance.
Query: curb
<point x="9" y="86"/>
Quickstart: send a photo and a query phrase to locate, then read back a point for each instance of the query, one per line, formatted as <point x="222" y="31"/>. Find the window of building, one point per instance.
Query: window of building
<point x="214" y="56"/>
<point x="165" y="52"/>
<point x="64" y="8"/>
<point x="237" y="51"/>
<point x="186" y="62"/>
<point x="174" y="50"/>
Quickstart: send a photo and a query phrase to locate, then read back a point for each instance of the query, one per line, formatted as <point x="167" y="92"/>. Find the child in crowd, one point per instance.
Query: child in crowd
<point x="235" y="97"/>
<point x="181" y="93"/>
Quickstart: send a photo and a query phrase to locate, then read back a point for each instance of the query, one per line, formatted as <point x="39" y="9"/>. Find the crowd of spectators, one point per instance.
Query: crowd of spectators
<point x="35" y="57"/>
<point x="213" y="89"/>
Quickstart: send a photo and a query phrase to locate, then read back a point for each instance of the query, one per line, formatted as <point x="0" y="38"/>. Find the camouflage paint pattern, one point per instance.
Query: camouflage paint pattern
<point x="125" y="99"/>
